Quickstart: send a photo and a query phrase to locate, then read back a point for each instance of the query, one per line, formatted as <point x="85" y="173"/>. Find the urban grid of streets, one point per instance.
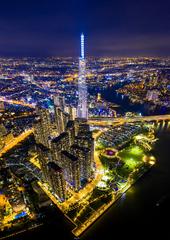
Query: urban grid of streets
<point x="24" y="88"/>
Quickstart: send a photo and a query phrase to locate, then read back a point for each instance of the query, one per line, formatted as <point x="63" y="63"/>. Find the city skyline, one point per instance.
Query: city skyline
<point x="124" y="28"/>
<point x="82" y="166"/>
<point x="84" y="119"/>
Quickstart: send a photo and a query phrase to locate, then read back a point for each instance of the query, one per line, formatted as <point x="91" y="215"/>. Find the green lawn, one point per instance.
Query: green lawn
<point x="131" y="155"/>
<point x="132" y="158"/>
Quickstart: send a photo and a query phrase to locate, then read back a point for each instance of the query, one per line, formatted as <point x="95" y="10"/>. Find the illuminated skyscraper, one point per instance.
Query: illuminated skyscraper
<point x="44" y="155"/>
<point x="72" y="169"/>
<point x="52" y="173"/>
<point x="59" y="144"/>
<point x="61" y="117"/>
<point x="59" y="101"/>
<point x="71" y="129"/>
<point x="43" y="127"/>
<point x="56" y="180"/>
<point x="82" y="110"/>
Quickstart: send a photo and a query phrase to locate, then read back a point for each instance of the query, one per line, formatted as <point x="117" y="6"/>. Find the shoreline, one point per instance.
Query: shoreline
<point x="78" y="233"/>
<point x="21" y="231"/>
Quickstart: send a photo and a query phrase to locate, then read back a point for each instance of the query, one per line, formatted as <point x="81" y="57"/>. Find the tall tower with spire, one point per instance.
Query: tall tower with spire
<point x="82" y="109"/>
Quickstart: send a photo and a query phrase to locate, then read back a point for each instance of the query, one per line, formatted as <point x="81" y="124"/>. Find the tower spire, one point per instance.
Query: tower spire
<point x="82" y="109"/>
<point x="82" y="46"/>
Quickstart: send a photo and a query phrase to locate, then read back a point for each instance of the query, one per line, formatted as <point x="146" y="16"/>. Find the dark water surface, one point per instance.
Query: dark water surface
<point x="125" y="104"/>
<point x="144" y="211"/>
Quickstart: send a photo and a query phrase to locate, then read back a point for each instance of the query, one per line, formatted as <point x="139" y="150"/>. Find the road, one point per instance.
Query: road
<point x="34" y="160"/>
<point x="110" y="121"/>
<point x="22" y="115"/>
<point x="16" y="140"/>
<point x="3" y="99"/>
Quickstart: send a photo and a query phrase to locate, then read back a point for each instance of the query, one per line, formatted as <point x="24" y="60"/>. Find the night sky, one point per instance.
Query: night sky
<point x="112" y="28"/>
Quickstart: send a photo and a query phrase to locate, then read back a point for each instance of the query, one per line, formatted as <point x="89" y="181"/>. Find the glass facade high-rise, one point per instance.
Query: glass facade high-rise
<point x="82" y="109"/>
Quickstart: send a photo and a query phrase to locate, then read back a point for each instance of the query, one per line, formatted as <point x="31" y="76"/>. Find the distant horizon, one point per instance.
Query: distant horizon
<point x="77" y="57"/>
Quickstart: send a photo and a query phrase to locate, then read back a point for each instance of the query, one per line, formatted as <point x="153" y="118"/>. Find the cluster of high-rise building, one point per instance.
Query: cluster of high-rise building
<point x="66" y="150"/>
<point x="64" y="143"/>
<point x="48" y="124"/>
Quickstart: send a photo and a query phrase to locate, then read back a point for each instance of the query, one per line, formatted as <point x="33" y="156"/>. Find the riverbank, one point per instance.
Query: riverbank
<point x="111" y="95"/>
<point x="137" y="212"/>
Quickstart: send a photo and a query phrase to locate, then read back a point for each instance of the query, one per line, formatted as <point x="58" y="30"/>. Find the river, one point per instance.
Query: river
<point x="111" y="95"/>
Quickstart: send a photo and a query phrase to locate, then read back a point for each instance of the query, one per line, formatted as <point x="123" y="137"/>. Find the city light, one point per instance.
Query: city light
<point x="82" y="46"/>
<point x="80" y="149"/>
<point x="82" y="108"/>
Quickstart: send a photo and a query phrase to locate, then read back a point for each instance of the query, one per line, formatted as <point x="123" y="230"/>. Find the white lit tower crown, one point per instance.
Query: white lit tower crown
<point x="82" y="110"/>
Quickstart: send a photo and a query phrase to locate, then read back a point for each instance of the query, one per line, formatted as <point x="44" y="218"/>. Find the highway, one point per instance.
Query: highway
<point x="16" y="140"/>
<point x="3" y="99"/>
<point x="22" y="115"/>
<point x="35" y="161"/>
<point x="111" y="121"/>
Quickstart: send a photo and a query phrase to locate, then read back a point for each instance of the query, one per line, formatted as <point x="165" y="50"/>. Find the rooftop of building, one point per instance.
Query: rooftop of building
<point x="70" y="156"/>
<point x="84" y="135"/>
<point x="83" y="149"/>
<point x="60" y="137"/>
<point x="42" y="147"/>
<point x="54" y="166"/>
<point x="70" y="124"/>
